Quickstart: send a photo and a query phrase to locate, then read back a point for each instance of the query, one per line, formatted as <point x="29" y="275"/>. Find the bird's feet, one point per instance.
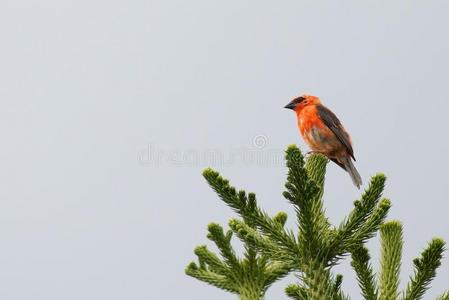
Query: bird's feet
<point x="311" y="152"/>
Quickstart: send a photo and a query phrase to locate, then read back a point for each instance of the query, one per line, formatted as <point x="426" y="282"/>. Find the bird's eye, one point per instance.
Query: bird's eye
<point x="299" y="100"/>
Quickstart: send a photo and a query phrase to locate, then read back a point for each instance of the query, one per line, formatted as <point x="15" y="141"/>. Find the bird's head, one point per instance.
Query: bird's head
<point x="302" y="101"/>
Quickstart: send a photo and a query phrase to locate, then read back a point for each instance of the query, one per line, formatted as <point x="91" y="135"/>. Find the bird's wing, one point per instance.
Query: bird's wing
<point x="338" y="163"/>
<point x="334" y="124"/>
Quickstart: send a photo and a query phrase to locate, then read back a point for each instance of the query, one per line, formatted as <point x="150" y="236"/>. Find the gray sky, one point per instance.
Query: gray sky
<point x="111" y="109"/>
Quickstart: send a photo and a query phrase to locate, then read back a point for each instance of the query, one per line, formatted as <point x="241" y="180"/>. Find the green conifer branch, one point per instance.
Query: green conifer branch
<point x="248" y="277"/>
<point x="372" y="224"/>
<point x="318" y="281"/>
<point x="363" y="221"/>
<point x="369" y="228"/>
<point x="337" y="283"/>
<point x="425" y="269"/>
<point x="391" y="247"/>
<point x="280" y="218"/>
<point x="391" y="252"/>
<point x="338" y="294"/>
<point x="316" y="284"/>
<point x="316" y="170"/>
<point x="223" y="242"/>
<point x="211" y="260"/>
<point x="250" y="236"/>
<point x="305" y="194"/>
<point x="217" y="280"/>
<point x="272" y="251"/>
<point x="296" y="292"/>
<point x="276" y="270"/>
<point x="247" y="208"/>
<point x="445" y="296"/>
<point x="364" y="271"/>
<point x="304" y="189"/>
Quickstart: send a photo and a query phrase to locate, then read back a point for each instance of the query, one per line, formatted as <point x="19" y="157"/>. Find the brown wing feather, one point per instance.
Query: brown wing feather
<point x="334" y="124"/>
<point x="338" y="163"/>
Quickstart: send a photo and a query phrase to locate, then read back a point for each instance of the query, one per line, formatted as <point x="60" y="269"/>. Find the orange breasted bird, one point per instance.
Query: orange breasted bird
<point x="324" y="133"/>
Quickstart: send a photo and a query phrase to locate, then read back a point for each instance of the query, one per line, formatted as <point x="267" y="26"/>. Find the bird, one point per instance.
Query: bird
<point x="323" y="133"/>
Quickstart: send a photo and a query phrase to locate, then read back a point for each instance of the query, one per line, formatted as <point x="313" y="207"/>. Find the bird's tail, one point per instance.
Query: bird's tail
<point x="350" y="168"/>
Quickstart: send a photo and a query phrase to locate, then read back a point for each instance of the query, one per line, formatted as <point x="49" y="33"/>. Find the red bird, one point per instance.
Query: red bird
<point x="323" y="132"/>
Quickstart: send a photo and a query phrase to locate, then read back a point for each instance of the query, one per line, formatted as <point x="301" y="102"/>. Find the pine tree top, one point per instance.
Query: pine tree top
<point x="313" y="248"/>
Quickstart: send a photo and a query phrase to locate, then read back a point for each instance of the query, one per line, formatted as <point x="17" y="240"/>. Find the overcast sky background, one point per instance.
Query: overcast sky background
<point x="110" y="108"/>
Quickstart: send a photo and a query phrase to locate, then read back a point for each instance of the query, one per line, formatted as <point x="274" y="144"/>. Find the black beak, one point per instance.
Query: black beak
<point x="291" y="105"/>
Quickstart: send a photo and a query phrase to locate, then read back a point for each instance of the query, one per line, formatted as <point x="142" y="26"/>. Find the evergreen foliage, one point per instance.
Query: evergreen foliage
<point x="391" y="251"/>
<point x="272" y="251"/>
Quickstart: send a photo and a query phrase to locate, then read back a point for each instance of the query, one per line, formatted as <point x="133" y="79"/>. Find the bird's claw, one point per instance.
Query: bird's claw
<point x="311" y="152"/>
<point x="308" y="153"/>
